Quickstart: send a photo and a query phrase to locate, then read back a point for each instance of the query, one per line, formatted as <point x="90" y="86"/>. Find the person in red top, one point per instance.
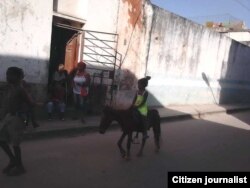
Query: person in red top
<point x="80" y="82"/>
<point x="56" y="100"/>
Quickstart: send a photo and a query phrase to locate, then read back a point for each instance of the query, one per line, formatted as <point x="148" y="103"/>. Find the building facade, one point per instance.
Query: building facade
<point x="188" y="63"/>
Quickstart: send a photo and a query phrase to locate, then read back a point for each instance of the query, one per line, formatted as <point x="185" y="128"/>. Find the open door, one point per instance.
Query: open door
<point x="72" y="52"/>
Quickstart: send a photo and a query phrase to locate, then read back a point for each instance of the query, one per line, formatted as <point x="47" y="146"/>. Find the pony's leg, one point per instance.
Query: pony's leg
<point x="128" y="146"/>
<point x="135" y="139"/>
<point x="157" y="135"/>
<point x="142" y="146"/>
<point x="122" y="151"/>
<point x="157" y="143"/>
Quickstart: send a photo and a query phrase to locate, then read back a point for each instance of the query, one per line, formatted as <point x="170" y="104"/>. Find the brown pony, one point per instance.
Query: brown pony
<point x="129" y="124"/>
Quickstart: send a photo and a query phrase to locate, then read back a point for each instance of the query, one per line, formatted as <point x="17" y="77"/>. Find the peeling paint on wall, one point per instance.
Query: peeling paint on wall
<point x="134" y="26"/>
<point x="134" y="12"/>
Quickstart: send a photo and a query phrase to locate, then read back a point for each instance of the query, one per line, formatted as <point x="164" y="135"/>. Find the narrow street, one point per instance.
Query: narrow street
<point x="216" y="143"/>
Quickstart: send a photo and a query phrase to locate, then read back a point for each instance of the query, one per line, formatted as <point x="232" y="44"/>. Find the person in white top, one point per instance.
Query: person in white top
<point x="81" y="82"/>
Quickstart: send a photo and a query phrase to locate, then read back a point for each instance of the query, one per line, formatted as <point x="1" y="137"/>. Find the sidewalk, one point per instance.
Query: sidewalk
<point x="57" y="127"/>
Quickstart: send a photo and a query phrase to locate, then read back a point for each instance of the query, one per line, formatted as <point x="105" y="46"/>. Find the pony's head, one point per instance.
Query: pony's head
<point x="106" y="119"/>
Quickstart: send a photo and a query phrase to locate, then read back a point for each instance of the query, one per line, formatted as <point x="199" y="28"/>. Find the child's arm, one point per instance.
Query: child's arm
<point x="27" y="98"/>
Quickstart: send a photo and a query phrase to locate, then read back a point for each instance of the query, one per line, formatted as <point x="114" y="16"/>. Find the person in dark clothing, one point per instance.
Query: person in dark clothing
<point x="12" y="125"/>
<point x="56" y="100"/>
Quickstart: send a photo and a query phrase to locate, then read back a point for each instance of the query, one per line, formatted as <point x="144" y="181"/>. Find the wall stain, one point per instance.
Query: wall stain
<point x="14" y="11"/>
<point x="134" y="12"/>
<point x="4" y="18"/>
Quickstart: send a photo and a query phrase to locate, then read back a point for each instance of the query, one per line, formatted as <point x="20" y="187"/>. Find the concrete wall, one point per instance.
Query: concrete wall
<point x="242" y="37"/>
<point x="102" y="15"/>
<point x="191" y="64"/>
<point x="131" y="20"/>
<point x="134" y="25"/>
<point x="25" y="27"/>
<point x="75" y="8"/>
<point x="188" y="63"/>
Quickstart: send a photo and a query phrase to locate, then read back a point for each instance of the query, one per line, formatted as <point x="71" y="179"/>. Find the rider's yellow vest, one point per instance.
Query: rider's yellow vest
<point x="144" y="108"/>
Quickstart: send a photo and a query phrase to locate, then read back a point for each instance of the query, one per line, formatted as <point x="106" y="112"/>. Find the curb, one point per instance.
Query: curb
<point x="67" y="132"/>
<point x="81" y="130"/>
<point x="59" y="132"/>
<point x="199" y="115"/>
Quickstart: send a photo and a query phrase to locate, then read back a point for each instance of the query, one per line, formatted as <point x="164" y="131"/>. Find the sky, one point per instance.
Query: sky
<point x="201" y="11"/>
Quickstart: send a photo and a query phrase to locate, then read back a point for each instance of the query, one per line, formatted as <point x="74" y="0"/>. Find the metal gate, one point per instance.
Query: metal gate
<point x="103" y="62"/>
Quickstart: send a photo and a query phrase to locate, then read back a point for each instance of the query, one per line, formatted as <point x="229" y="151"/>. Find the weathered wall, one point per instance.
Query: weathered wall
<point x="76" y="8"/>
<point x="242" y="37"/>
<point x="25" y="27"/>
<point x="188" y="63"/>
<point x="134" y="25"/>
<point x="191" y="64"/>
<point x="102" y="15"/>
<point x="239" y="36"/>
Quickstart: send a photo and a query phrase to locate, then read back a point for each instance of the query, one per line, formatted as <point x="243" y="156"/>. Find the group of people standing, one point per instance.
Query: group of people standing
<point x="63" y="86"/>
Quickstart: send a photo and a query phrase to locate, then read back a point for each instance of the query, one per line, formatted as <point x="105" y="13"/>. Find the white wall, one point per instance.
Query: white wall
<point x="239" y="36"/>
<point x="182" y="53"/>
<point x="102" y="15"/>
<point x="74" y="8"/>
<point x="134" y="26"/>
<point x="174" y="51"/>
<point x="25" y="27"/>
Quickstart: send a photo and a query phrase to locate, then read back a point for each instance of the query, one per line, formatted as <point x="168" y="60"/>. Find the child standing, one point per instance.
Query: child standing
<point x="140" y="103"/>
<point x="12" y="126"/>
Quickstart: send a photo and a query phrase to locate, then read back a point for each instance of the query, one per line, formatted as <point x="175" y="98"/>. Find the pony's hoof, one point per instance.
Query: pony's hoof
<point x="127" y="158"/>
<point x="123" y="155"/>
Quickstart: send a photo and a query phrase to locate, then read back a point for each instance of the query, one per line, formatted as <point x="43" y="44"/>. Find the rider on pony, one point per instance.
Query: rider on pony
<point x="140" y="104"/>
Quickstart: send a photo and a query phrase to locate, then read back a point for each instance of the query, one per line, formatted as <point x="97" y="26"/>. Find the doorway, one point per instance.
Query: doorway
<point x="64" y="49"/>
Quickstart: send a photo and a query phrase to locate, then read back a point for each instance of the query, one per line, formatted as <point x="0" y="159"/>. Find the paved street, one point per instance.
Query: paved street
<point x="216" y="143"/>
